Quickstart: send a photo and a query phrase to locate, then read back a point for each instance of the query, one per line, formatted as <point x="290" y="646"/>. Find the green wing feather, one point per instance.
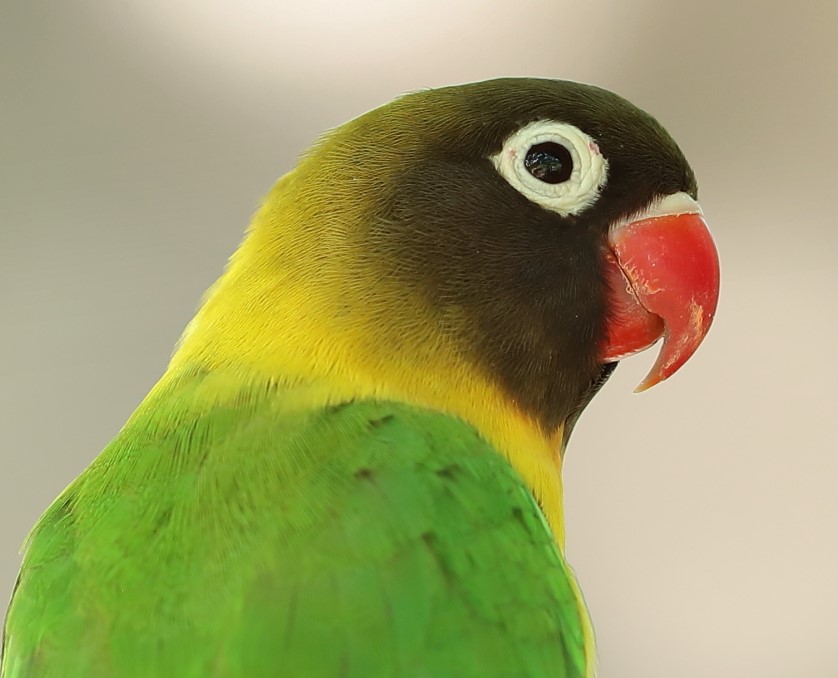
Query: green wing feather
<point x="229" y="530"/>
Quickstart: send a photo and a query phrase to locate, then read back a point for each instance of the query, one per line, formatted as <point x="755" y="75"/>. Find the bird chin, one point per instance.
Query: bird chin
<point x="662" y="271"/>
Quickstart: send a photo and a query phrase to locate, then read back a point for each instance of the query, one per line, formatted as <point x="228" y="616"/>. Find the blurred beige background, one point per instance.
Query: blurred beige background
<point x="137" y="137"/>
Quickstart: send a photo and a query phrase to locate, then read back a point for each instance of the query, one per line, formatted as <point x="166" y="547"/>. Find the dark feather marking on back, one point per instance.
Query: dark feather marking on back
<point x="429" y="539"/>
<point x="364" y="474"/>
<point x="337" y="407"/>
<point x="162" y="520"/>
<point x="518" y="515"/>
<point x="380" y="421"/>
<point x="448" y="471"/>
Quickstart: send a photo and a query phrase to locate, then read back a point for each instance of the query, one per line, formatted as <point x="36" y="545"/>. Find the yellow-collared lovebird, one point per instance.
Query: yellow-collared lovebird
<point x="352" y="465"/>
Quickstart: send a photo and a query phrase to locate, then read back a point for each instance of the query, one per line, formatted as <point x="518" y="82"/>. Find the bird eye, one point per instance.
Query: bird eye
<point x="553" y="164"/>
<point x="549" y="162"/>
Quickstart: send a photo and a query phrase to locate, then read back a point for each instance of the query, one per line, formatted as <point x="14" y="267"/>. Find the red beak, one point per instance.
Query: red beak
<point x="663" y="273"/>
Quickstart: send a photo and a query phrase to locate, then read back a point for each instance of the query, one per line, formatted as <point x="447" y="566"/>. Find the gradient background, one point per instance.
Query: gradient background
<point x="137" y="137"/>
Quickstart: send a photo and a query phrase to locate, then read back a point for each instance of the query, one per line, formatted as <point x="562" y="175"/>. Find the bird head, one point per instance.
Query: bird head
<point x="490" y="250"/>
<point x="549" y="229"/>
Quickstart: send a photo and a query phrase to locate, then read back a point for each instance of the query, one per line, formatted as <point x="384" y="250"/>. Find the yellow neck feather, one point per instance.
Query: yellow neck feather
<point x="303" y="305"/>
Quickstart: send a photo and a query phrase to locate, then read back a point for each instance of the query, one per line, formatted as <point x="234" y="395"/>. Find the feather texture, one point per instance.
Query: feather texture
<point x="230" y="529"/>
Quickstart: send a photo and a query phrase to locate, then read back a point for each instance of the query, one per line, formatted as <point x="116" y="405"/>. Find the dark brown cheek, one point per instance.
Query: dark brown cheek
<point x="543" y="342"/>
<point x="526" y="285"/>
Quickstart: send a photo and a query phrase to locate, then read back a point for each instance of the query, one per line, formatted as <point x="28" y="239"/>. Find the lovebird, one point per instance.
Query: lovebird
<point x="351" y="466"/>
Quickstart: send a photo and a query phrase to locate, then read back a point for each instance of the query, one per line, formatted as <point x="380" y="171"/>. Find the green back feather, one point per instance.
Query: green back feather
<point x="230" y="531"/>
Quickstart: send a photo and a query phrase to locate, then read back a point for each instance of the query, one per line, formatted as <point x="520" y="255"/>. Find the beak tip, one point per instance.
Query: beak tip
<point x="645" y="385"/>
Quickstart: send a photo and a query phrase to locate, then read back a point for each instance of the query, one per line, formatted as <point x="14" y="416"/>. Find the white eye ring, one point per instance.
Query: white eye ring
<point x="569" y="197"/>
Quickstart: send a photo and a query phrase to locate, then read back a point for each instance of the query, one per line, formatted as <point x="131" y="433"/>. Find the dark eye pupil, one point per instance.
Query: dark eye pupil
<point x="549" y="162"/>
